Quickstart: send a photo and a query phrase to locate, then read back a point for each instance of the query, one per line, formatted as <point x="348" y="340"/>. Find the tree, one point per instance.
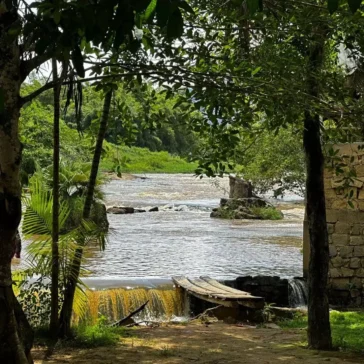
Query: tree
<point x="292" y="76"/>
<point x="72" y="279"/>
<point x="28" y="39"/>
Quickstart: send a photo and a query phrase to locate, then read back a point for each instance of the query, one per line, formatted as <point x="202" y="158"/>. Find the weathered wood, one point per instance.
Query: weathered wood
<point x="212" y="291"/>
<point x="127" y="320"/>
<point x="215" y="283"/>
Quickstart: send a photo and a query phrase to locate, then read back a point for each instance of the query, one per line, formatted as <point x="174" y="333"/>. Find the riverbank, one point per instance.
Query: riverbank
<point x="217" y="343"/>
<point x="142" y="160"/>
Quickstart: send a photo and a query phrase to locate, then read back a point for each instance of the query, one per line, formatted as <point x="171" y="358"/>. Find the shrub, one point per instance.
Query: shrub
<point x="267" y="213"/>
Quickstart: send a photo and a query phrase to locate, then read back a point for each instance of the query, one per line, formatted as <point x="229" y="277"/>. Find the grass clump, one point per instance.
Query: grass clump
<point x="347" y="329"/>
<point x="96" y="336"/>
<point x="267" y="213"/>
<point x="85" y="336"/>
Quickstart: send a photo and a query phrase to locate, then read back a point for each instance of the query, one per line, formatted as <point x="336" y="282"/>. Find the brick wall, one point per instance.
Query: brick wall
<point x="345" y="218"/>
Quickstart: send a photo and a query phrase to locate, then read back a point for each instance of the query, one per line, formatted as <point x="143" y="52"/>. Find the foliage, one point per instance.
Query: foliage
<point x="142" y="160"/>
<point x="35" y="298"/>
<point x="36" y="125"/>
<point x="37" y="226"/>
<point x="101" y="334"/>
<point x="347" y="329"/>
<point x="274" y="162"/>
<point x="140" y="118"/>
<point x="267" y="213"/>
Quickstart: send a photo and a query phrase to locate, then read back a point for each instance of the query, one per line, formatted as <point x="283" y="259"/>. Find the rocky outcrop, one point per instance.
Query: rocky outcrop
<point x="241" y="208"/>
<point x="240" y="188"/>
<point x="242" y="203"/>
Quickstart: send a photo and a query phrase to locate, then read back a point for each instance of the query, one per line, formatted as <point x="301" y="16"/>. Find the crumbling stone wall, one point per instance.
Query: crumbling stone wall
<point x="344" y="191"/>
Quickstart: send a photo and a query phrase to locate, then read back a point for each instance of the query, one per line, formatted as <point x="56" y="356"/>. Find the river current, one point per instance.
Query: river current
<point x="154" y="246"/>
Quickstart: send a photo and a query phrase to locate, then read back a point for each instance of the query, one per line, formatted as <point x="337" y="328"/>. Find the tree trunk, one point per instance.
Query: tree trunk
<point x="66" y="313"/>
<point x="53" y="325"/>
<point x="319" y="331"/>
<point x="13" y="346"/>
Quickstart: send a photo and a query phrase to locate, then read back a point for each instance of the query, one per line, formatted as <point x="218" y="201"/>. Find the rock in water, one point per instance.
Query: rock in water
<point x="120" y="210"/>
<point x="240" y="188"/>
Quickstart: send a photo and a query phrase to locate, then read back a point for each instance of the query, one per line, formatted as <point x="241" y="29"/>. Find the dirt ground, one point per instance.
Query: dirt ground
<point x="215" y="344"/>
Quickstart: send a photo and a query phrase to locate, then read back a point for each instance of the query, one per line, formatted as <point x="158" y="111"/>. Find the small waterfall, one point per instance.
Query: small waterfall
<point x="118" y="303"/>
<point x="297" y="292"/>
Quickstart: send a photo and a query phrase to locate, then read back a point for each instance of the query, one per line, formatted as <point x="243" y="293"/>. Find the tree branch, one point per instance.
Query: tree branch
<point x="49" y="85"/>
<point x="26" y="67"/>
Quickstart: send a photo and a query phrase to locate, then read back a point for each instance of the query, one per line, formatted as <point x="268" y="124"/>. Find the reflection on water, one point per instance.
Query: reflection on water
<point x="167" y="243"/>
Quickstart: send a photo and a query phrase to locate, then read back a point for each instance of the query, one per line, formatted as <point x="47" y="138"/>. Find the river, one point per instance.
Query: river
<point x="152" y="247"/>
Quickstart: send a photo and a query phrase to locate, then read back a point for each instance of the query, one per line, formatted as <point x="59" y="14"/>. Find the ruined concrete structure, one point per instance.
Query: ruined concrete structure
<point x="345" y="217"/>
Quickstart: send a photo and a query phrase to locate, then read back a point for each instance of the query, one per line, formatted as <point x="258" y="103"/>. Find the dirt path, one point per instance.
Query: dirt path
<point x="215" y="344"/>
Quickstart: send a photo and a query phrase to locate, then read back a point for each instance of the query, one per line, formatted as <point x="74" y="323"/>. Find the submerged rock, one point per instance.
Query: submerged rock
<point x="120" y="210"/>
<point x="181" y="208"/>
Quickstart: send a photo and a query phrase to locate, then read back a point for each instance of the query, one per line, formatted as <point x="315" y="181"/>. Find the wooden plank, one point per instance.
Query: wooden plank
<point x="219" y="292"/>
<point x="187" y="285"/>
<point x="215" y="283"/>
<point x="205" y="285"/>
<point x="205" y="291"/>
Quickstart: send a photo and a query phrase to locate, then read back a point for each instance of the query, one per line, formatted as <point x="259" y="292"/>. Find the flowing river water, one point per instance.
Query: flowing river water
<point x="146" y="249"/>
<point x="157" y="245"/>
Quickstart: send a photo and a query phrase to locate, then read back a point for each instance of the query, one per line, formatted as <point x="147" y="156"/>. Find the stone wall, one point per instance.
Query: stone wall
<point x="345" y="218"/>
<point x="273" y="289"/>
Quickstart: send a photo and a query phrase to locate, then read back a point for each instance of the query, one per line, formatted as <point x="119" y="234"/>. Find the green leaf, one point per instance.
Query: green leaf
<point x="332" y="5"/>
<point x="2" y="100"/>
<point x="256" y="71"/>
<point x="253" y="6"/>
<point x="185" y="6"/>
<point x="350" y="203"/>
<point x="354" y="5"/>
<point x="150" y="9"/>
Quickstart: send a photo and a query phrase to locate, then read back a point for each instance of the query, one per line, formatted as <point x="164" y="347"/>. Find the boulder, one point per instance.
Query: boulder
<point x="240" y="188"/>
<point x="154" y="209"/>
<point x="120" y="210"/>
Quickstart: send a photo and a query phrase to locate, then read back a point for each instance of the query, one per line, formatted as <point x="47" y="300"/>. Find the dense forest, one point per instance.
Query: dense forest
<point x="261" y="89"/>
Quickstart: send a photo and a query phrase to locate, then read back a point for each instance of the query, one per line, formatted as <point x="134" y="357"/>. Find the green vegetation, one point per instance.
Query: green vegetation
<point x="267" y="213"/>
<point x="99" y="335"/>
<point x="160" y="144"/>
<point x="347" y="329"/>
<point x="142" y="160"/>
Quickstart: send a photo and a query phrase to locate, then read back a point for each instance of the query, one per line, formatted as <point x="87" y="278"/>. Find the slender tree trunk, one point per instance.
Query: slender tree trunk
<point x="319" y="331"/>
<point x="53" y="325"/>
<point x="66" y="313"/>
<point x="14" y="347"/>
